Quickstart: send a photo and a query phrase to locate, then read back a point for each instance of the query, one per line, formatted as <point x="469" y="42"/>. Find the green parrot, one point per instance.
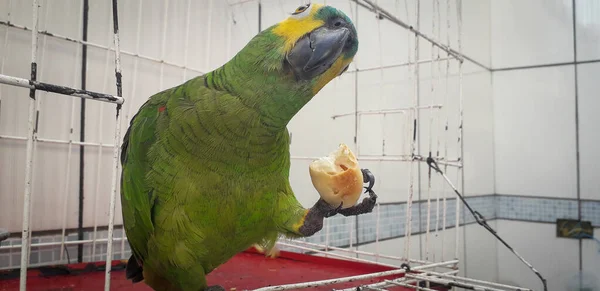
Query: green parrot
<point x="205" y="164"/>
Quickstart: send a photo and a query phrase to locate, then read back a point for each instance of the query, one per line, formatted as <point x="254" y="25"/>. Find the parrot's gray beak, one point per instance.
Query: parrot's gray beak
<point x="316" y="52"/>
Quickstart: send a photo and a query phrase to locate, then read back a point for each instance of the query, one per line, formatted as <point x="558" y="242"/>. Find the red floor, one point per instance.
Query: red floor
<point x="247" y="270"/>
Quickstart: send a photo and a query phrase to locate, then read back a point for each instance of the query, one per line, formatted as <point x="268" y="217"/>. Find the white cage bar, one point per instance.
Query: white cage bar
<point x="25" y="238"/>
<point x="116" y="151"/>
<point x="33" y="85"/>
<point x="425" y="267"/>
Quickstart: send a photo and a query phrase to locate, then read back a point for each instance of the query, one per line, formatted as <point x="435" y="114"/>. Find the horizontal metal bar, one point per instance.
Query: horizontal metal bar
<point x="57" y="141"/>
<point x="406" y="158"/>
<point x="20" y="82"/>
<point x="334" y="254"/>
<point x="467" y="286"/>
<point x="352" y="278"/>
<point x="390" y="158"/>
<point x="332" y="248"/>
<point x="449" y="276"/>
<point x="239" y="2"/>
<point x="58" y="243"/>
<point x="402" y="284"/>
<point x="58" y="36"/>
<point x="387" y="282"/>
<point x="387" y="111"/>
<point x="545" y="65"/>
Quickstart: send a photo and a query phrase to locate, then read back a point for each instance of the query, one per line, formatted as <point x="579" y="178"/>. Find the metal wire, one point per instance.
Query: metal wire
<point x="26" y="235"/>
<point x="91" y="44"/>
<point x="115" y="165"/>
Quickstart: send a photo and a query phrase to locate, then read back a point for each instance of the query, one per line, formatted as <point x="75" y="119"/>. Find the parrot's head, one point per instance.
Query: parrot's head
<point x="285" y="65"/>
<point x="319" y="43"/>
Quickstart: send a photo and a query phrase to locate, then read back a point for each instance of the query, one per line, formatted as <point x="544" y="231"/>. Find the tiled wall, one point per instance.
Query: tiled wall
<point x="338" y="230"/>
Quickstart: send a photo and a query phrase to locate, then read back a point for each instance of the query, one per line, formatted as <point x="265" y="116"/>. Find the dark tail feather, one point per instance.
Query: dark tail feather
<point x="133" y="271"/>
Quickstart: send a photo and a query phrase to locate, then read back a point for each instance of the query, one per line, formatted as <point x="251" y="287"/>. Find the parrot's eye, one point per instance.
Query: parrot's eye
<point x="301" y="11"/>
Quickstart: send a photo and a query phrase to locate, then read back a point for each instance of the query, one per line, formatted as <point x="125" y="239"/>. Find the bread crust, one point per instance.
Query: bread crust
<point x="337" y="177"/>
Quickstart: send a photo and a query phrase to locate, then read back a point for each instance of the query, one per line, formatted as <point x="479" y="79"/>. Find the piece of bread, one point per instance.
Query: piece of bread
<point x="337" y="177"/>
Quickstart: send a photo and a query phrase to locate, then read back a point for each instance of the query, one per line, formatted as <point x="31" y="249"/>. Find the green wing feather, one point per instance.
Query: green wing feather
<point x="137" y="197"/>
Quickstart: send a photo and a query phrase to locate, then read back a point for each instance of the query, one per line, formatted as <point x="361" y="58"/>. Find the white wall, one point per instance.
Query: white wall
<point x="535" y="121"/>
<point x="534" y="108"/>
<point x="555" y="259"/>
<point x="213" y="39"/>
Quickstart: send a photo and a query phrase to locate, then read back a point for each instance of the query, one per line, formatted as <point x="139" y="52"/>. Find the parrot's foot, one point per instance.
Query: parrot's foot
<point x="271" y="253"/>
<point x="367" y="205"/>
<point x="313" y="220"/>
<point x="214" y="288"/>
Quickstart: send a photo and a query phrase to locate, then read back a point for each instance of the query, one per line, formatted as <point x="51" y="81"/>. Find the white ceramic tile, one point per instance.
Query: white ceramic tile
<point x="588" y="29"/>
<point x="555" y="258"/>
<point x="589" y="129"/>
<point x="534" y="129"/>
<point x="531" y="32"/>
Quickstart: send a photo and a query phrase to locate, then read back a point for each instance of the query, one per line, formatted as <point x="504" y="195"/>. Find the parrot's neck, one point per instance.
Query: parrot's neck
<point x="273" y="94"/>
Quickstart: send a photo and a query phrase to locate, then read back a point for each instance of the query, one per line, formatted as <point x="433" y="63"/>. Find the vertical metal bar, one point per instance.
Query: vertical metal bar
<point x="383" y="132"/>
<point x="438" y="119"/>
<point x="187" y="37"/>
<point x="356" y="127"/>
<point x="228" y="39"/>
<point x="136" y="61"/>
<point x="446" y="132"/>
<point x="430" y="143"/>
<point x="577" y="154"/>
<point x="163" y="45"/>
<point x="208" y="35"/>
<point x="259" y="16"/>
<point x="99" y="148"/>
<point x="356" y="115"/>
<point x="66" y="192"/>
<point x="415" y="114"/>
<point x="86" y="8"/>
<point x="117" y="142"/>
<point x="26" y="236"/>
<point x="460" y="125"/>
<point x="38" y="102"/>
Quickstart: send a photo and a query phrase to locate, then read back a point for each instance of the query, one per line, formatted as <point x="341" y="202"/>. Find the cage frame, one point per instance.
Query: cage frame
<point x="33" y="85"/>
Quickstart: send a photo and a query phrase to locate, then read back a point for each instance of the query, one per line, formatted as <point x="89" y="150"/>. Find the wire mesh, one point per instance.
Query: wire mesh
<point x="342" y="237"/>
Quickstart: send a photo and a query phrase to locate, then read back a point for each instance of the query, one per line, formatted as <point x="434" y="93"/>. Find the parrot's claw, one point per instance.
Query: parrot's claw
<point x="313" y="221"/>
<point x="368" y="178"/>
